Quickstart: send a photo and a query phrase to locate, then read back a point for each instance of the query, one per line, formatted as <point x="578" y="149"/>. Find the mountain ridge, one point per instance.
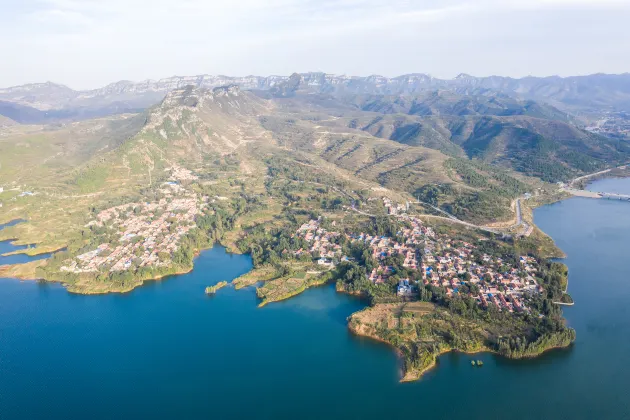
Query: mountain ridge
<point x="555" y="89"/>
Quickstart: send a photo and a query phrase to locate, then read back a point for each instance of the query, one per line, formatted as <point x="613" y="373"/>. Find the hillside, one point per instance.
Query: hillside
<point x="6" y="122"/>
<point x="537" y="144"/>
<point x="226" y="136"/>
<point x="405" y="144"/>
<point x="444" y="102"/>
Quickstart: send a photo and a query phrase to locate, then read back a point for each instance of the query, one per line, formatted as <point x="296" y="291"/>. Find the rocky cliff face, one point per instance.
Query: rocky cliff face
<point x="199" y="120"/>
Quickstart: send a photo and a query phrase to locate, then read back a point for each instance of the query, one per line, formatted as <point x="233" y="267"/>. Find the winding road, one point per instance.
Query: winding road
<point x="456" y="220"/>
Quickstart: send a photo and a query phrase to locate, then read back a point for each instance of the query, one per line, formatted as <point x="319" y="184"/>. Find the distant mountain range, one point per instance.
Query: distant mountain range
<point x="576" y="94"/>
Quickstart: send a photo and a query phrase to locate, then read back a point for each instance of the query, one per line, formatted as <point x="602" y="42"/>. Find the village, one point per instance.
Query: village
<point x="148" y="233"/>
<point x="440" y="260"/>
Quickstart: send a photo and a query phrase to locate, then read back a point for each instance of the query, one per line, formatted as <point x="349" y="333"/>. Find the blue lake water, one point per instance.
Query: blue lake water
<point x="616" y="185"/>
<point x="11" y="223"/>
<point x="166" y="350"/>
<point x="7" y="246"/>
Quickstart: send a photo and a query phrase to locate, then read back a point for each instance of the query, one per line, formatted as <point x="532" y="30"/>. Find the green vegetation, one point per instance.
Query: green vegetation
<point x="458" y="326"/>
<point x="211" y="290"/>
<point x="289" y="286"/>
<point x="489" y="199"/>
<point x="459" y="322"/>
<point x="91" y="179"/>
<point x="257" y="275"/>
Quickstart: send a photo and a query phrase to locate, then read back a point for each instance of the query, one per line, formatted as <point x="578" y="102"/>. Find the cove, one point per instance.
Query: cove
<point x="7" y="247"/>
<point x="166" y="350"/>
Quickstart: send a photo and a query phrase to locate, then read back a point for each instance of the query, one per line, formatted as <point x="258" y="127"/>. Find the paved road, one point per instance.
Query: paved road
<point x="526" y="228"/>
<point x="439" y="210"/>
<point x="447" y="217"/>
<point x="519" y="217"/>
<point x="456" y="220"/>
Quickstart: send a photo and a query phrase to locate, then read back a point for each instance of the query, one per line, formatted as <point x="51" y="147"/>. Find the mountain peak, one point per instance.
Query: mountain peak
<point x="464" y="76"/>
<point x="36" y="87"/>
<point x="227" y="90"/>
<point x="193" y="96"/>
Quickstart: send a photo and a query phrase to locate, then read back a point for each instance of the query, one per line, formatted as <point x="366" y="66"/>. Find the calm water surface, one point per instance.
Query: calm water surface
<point x="166" y="350"/>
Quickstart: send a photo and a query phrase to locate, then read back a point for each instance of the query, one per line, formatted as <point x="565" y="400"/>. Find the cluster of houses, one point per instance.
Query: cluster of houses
<point x="148" y="233"/>
<point x="615" y="124"/>
<point x="442" y="261"/>
<point x="394" y="208"/>
<point x="450" y="264"/>
<point x="323" y="243"/>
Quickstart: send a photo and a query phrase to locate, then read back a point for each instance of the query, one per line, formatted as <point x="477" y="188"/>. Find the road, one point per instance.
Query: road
<point x="439" y="210"/>
<point x="519" y="217"/>
<point x="605" y="171"/>
<point x="456" y="220"/>
<point x="447" y="217"/>
<point x="592" y="194"/>
<point x="580" y="178"/>
<point x="526" y="228"/>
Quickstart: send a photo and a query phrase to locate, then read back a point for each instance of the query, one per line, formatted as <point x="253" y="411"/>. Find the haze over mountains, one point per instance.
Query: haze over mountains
<point x="575" y="94"/>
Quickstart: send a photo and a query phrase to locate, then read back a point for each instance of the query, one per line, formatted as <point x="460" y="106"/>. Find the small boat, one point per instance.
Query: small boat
<point x="479" y="363"/>
<point x="472" y="362"/>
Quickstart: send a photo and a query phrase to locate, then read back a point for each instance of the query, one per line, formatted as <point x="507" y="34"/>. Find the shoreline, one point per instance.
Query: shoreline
<point x="622" y="171"/>
<point x="407" y="375"/>
<point x="141" y="281"/>
<point x="13" y="270"/>
<point x="28" y="253"/>
<point x="10" y="271"/>
<point x="304" y="287"/>
<point x="26" y="271"/>
<point x="413" y="375"/>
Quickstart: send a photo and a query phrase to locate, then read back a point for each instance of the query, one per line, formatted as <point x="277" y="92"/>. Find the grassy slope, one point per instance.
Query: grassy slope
<point x="529" y="137"/>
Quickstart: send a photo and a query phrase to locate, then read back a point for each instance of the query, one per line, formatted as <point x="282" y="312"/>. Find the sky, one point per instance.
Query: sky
<point x="90" y="43"/>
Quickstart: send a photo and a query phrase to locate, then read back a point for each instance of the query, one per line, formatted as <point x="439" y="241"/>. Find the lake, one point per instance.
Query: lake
<point x="166" y="350"/>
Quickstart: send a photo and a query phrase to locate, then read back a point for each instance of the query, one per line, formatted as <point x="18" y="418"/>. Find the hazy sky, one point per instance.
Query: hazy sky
<point x="89" y="43"/>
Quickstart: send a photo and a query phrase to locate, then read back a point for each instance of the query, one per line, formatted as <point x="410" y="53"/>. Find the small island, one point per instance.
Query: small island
<point x="211" y="290"/>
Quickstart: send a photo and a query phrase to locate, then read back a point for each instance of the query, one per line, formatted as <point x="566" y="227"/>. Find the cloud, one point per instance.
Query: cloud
<point x="63" y="19"/>
<point x="87" y="43"/>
